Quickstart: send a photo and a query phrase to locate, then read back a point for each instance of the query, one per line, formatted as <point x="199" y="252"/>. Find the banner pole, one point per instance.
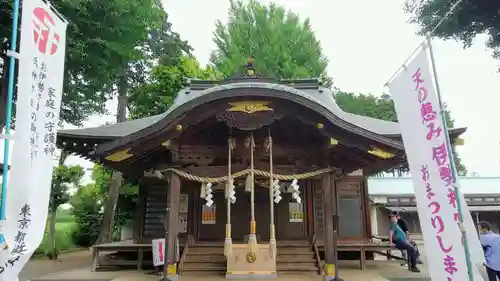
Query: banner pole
<point x="8" y="116"/>
<point x="451" y="160"/>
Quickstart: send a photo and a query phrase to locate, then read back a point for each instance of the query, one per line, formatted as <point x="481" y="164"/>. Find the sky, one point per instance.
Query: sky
<point x="366" y="42"/>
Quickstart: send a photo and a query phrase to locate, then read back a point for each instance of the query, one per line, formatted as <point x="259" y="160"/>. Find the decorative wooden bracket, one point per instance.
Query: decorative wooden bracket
<point x="119" y="156"/>
<point x="380" y="153"/>
<point x="249" y="107"/>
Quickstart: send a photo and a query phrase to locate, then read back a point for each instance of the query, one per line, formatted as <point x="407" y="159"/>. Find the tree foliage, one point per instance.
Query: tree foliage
<point x="87" y="205"/>
<point x="96" y="50"/>
<point x="469" y="19"/>
<point x="89" y="202"/>
<point x="283" y="46"/>
<point x="383" y="108"/>
<point x="156" y="96"/>
<point x="63" y="179"/>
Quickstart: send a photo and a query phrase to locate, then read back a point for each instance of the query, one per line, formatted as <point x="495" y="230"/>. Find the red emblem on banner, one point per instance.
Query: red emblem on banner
<point x="160" y="251"/>
<point x="44" y="32"/>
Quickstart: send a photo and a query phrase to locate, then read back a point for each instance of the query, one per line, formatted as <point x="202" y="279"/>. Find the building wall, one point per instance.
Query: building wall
<point x="382" y="220"/>
<point x="492" y="217"/>
<point x="382" y="228"/>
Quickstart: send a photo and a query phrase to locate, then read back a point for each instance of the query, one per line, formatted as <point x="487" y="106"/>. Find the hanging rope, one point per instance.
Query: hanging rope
<point x="228" y="243"/>
<point x="272" y="237"/>
<point x="338" y="173"/>
<point x="252" y="239"/>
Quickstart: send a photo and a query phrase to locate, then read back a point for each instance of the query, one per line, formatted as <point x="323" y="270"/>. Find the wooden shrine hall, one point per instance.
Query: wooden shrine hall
<point x="250" y="175"/>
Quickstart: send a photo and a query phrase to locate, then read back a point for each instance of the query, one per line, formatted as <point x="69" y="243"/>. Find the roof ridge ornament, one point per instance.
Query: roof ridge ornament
<point x="248" y="72"/>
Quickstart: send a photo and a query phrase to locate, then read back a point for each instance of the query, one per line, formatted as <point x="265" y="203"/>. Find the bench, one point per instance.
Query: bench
<point x="363" y="248"/>
<point x="122" y="246"/>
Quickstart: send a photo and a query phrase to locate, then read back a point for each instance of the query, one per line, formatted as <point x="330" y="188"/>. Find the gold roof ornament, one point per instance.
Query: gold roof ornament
<point x="459" y="141"/>
<point x="166" y="143"/>
<point x="333" y="142"/>
<point x="249" y="107"/>
<point x="380" y="153"/>
<point x="120" y="155"/>
<point x="250" y="71"/>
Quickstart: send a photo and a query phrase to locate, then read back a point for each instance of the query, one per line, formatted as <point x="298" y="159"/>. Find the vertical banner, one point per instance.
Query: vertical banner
<point x="424" y="138"/>
<point x="40" y="81"/>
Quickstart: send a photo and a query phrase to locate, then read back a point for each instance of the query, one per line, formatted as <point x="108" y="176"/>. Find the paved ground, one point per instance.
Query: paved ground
<point x="40" y="266"/>
<point x="76" y="266"/>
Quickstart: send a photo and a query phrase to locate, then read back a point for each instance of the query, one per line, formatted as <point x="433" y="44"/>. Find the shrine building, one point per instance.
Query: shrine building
<point x="247" y="176"/>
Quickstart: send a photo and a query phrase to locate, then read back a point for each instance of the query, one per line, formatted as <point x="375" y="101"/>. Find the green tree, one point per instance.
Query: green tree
<point x="166" y="81"/>
<point x="159" y="45"/>
<point x="469" y="19"/>
<point x="86" y="210"/>
<point x="383" y="108"/>
<point x="102" y="37"/>
<point x="63" y="179"/>
<point x="102" y="178"/>
<point x="284" y="47"/>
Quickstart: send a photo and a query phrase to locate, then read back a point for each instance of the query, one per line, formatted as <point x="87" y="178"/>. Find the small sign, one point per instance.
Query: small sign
<point x="158" y="246"/>
<point x="158" y="251"/>
<point x="208" y="215"/>
<point x="183" y="204"/>
<point x="183" y="223"/>
<point x="295" y="212"/>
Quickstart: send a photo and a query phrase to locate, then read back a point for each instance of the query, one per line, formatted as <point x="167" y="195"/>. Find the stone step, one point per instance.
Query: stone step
<point x="204" y="267"/>
<point x="205" y="258"/>
<point x="295" y="258"/>
<point x="295" y="251"/>
<point x="296" y="267"/>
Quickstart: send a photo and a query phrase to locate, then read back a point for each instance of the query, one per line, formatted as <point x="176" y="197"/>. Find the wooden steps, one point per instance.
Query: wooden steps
<point x="296" y="257"/>
<point x="206" y="257"/>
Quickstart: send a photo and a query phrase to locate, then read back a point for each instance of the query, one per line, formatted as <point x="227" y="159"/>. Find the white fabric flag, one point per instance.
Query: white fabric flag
<point x="424" y="139"/>
<point x="41" y="71"/>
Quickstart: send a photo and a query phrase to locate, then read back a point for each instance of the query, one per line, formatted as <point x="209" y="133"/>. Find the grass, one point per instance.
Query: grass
<point x="64" y="230"/>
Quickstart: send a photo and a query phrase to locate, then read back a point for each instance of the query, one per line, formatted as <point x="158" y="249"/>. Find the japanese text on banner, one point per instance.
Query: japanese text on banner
<point x="424" y="139"/>
<point x="41" y="70"/>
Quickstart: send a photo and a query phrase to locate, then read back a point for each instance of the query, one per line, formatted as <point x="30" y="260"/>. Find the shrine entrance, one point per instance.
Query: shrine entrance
<point x="291" y="222"/>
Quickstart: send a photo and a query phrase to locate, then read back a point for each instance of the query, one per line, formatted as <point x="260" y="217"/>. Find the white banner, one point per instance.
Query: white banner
<point x="41" y="71"/>
<point x="424" y="139"/>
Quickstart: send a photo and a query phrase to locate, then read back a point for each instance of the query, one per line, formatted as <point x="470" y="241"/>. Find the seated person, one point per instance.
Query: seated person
<point x="397" y="238"/>
<point x="404" y="227"/>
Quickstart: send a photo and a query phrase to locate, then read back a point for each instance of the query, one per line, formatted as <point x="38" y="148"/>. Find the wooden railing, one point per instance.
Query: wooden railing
<point x="189" y="241"/>
<point x="316" y="254"/>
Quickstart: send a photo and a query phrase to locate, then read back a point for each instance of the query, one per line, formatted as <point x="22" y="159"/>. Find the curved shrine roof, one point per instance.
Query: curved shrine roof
<point x="308" y="89"/>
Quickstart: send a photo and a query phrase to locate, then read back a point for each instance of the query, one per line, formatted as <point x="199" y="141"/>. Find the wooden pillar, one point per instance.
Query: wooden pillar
<point x="327" y="185"/>
<point x="171" y="227"/>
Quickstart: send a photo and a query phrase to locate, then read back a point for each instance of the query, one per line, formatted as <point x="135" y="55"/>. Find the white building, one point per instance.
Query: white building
<point x="396" y="193"/>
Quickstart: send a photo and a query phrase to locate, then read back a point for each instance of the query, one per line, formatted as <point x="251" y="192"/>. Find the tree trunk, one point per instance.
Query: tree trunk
<point x="52" y="234"/>
<point x="53" y="253"/>
<point x="117" y="178"/>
